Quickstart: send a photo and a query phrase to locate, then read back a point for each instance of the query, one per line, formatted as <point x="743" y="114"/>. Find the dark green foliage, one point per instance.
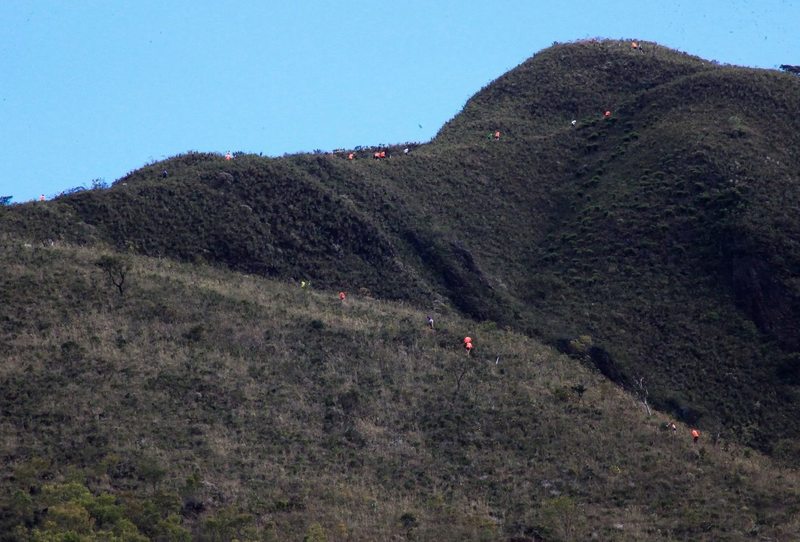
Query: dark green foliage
<point x="99" y="184"/>
<point x="791" y="69"/>
<point x="788" y="371"/>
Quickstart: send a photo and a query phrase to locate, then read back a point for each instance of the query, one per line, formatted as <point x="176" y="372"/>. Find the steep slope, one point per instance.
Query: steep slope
<point x="211" y="405"/>
<point x="667" y="232"/>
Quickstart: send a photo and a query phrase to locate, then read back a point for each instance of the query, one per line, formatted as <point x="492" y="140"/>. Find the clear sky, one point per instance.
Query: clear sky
<point x="94" y="89"/>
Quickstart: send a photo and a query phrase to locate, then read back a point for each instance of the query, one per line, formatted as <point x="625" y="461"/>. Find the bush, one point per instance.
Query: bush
<point x="315" y="533"/>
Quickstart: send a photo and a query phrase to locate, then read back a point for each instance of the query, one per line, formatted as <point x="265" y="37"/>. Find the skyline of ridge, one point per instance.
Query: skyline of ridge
<point x="97" y="91"/>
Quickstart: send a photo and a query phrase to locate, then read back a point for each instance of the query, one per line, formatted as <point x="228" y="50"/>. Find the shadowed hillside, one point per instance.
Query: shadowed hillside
<point x="208" y="405"/>
<point x="666" y="233"/>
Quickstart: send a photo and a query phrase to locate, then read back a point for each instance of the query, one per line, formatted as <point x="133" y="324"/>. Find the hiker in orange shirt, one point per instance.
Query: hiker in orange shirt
<point x="695" y="435"/>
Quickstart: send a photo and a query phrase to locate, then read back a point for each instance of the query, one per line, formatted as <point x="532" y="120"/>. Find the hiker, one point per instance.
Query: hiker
<point x="634" y="45"/>
<point x="607" y="114"/>
<point x="430" y="321"/>
<point x="41" y="198"/>
<point x="376" y="155"/>
<point x="351" y="156"/>
<point x="405" y="151"/>
<point x="468" y="347"/>
<point x="574" y="122"/>
<point x="304" y="284"/>
<point x="383" y="154"/>
<point x="497" y="135"/>
<point x="342" y="296"/>
<point x="671" y="425"/>
<point x="695" y="435"/>
<point x="228" y="156"/>
<point x="164" y="173"/>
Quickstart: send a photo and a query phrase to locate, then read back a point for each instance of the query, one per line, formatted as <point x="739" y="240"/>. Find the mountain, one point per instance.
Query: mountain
<point x="656" y="245"/>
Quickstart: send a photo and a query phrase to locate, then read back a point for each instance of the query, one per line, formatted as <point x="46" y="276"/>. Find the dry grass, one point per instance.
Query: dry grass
<point x="281" y="411"/>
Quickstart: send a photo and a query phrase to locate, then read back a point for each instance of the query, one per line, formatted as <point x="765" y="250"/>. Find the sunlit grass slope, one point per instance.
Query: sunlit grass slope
<point x="210" y="405"/>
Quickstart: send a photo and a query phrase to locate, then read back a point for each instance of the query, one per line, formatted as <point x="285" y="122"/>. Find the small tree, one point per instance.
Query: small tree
<point x="466" y="367"/>
<point x="151" y="472"/>
<point x="640" y="388"/>
<point x="315" y="533"/>
<point x="99" y="184"/>
<point x="562" y="514"/>
<point x="579" y="390"/>
<point x="791" y="69"/>
<point x="5" y="200"/>
<point x="116" y="269"/>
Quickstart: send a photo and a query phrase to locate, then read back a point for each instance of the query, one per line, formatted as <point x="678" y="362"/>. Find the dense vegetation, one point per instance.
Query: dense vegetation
<point x="657" y="245"/>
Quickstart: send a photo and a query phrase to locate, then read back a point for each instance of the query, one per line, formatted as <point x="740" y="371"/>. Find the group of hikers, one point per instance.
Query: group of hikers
<point x="467" y="342"/>
<point x="382" y="154"/>
<point x="377" y="155"/>
<point x="672" y="426"/>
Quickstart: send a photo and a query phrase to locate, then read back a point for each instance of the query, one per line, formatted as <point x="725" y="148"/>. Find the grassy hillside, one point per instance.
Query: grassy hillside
<point x="666" y="233"/>
<point x="209" y="405"/>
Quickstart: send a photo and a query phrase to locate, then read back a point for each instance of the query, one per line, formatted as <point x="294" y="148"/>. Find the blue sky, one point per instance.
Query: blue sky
<point x="94" y="89"/>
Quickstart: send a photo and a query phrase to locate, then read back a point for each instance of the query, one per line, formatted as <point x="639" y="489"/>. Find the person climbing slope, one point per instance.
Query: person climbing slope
<point x="468" y="344"/>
